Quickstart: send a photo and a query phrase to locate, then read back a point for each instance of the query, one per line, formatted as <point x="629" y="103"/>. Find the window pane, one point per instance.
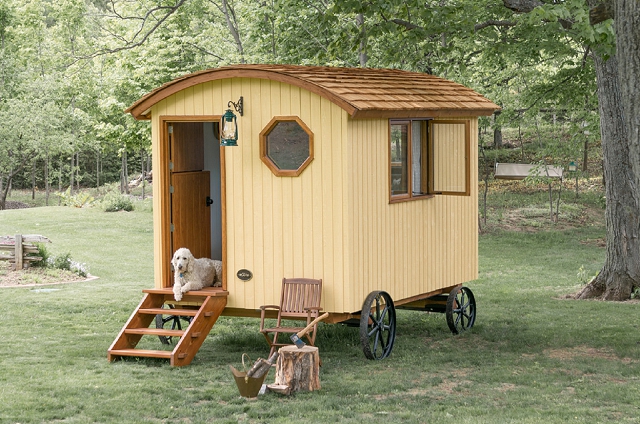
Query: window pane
<point x="416" y="157"/>
<point x="399" y="154"/>
<point x="288" y="145"/>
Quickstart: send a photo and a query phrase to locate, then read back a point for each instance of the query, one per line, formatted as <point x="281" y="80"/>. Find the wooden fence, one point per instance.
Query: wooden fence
<point x="21" y="250"/>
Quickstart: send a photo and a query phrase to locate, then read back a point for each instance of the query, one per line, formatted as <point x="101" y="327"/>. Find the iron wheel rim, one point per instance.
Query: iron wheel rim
<point x="378" y="326"/>
<point x="461" y="310"/>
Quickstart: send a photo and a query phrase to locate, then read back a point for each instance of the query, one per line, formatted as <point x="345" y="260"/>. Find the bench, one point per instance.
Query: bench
<point x="520" y="171"/>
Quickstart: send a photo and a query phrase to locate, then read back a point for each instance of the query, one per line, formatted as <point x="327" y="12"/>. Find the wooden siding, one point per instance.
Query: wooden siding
<point x="334" y="221"/>
<point x="276" y="226"/>
<point x="450" y="156"/>
<point x="407" y="248"/>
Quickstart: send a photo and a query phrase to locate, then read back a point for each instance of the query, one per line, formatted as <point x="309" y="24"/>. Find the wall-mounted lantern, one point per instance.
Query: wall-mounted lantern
<point x="229" y="124"/>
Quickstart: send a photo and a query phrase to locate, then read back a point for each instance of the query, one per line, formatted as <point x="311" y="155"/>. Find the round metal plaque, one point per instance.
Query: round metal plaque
<point x="245" y="275"/>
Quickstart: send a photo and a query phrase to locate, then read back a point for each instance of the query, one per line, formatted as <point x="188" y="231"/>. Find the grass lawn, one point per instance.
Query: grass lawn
<point x="532" y="356"/>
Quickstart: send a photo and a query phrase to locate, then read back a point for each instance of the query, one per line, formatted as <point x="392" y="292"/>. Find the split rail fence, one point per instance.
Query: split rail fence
<point x="21" y="250"/>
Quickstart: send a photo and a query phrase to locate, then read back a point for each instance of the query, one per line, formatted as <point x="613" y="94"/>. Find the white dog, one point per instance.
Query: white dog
<point x="190" y="273"/>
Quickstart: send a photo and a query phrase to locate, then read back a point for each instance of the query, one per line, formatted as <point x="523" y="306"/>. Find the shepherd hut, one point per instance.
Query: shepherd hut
<point x="365" y="179"/>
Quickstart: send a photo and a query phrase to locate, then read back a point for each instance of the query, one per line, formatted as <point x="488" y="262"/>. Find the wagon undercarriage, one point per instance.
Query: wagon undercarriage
<point x="187" y="326"/>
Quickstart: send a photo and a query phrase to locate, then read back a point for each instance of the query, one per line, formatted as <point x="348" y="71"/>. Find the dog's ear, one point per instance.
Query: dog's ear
<point x="190" y="262"/>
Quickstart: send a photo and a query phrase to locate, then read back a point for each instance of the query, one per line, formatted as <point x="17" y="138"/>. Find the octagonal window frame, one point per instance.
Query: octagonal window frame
<point x="263" y="147"/>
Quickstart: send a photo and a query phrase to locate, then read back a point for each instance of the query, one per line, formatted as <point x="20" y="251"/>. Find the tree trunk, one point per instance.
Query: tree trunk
<point x="298" y="368"/>
<point x="60" y="181"/>
<point x="621" y="271"/>
<point x="47" y="184"/>
<point x="73" y="161"/>
<point x="98" y="169"/>
<point x="33" y="179"/>
<point x="232" y="25"/>
<point x="142" y="173"/>
<point x="78" y="171"/>
<point x="497" y="131"/>
<point x="585" y="156"/>
<point x="362" y="49"/>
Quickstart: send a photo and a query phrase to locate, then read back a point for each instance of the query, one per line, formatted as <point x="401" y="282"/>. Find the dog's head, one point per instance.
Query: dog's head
<point x="182" y="260"/>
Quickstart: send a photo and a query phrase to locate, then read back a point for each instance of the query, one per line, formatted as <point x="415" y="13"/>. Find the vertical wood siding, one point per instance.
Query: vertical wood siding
<point x="449" y="157"/>
<point x="412" y="247"/>
<point x="334" y="221"/>
<point x="276" y="226"/>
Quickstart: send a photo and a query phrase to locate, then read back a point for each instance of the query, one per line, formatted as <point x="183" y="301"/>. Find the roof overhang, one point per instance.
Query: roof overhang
<point x="361" y="92"/>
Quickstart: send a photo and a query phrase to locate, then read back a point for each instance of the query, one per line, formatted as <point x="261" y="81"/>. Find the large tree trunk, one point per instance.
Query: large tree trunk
<point x="621" y="271"/>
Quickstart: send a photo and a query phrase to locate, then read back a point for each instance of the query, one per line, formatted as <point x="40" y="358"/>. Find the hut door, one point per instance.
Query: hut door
<point x="190" y="189"/>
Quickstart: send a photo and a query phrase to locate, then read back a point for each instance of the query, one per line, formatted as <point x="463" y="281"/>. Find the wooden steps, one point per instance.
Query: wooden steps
<point x="211" y="301"/>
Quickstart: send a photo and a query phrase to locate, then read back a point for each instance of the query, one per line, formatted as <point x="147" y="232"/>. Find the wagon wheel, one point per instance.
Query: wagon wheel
<point x="170" y="321"/>
<point x="377" y="325"/>
<point x="461" y="309"/>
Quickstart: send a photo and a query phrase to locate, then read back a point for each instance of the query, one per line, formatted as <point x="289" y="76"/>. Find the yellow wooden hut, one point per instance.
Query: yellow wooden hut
<point x="363" y="178"/>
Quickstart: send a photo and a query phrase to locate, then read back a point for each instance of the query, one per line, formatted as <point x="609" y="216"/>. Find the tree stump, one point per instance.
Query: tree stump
<point x="298" y="368"/>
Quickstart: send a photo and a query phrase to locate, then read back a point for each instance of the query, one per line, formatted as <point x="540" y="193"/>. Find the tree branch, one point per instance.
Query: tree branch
<point x="601" y="13"/>
<point x="493" y="22"/>
<point x="406" y="24"/>
<point x="522" y="6"/>
<point x="131" y="44"/>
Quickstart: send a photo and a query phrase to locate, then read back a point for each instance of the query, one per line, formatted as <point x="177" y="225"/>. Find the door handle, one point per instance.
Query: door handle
<point x="209" y="201"/>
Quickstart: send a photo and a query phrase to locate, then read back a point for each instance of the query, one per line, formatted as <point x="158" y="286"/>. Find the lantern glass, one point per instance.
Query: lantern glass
<point x="229" y="136"/>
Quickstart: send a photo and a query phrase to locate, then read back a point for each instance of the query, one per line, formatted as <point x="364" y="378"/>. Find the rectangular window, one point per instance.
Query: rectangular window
<point x="409" y="159"/>
<point x="428" y="157"/>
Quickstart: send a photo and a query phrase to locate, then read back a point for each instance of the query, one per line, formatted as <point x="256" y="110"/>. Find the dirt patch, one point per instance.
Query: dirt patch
<point x="600" y="242"/>
<point x="36" y="277"/>
<point x="534" y="219"/>
<point x="584" y="352"/>
<point x="10" y="204"/>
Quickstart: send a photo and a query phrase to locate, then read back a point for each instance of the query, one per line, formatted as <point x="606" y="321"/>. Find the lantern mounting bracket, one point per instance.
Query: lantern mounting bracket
<point x="238" y="106"/>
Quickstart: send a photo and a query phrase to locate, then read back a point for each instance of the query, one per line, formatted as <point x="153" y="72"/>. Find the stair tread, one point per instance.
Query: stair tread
<point x="166" y="354"/>
<point x="207" y="291"/>
<point x="162" y="311"/>
<point x="155" y="332"/>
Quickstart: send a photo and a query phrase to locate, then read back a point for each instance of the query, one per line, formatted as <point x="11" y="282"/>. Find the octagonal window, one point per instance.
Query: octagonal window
<point x="286" y="146"/>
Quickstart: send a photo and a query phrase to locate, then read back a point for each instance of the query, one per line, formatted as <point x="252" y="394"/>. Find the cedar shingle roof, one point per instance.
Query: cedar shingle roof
<point x="361" y="92"/>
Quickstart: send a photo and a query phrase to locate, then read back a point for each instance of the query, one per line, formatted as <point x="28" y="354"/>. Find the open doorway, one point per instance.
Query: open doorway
<point x="195" y="188"/>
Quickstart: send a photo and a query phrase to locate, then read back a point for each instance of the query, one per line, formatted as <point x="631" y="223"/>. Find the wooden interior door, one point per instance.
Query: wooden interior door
<point x="190" y="214"/>
<point x="190" y="190"/>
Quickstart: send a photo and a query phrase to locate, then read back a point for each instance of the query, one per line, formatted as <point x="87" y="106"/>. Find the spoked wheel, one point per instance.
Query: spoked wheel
<point x="461" y="309"/>
<point x="377" y="325"/>
<point x="170" y="321"/>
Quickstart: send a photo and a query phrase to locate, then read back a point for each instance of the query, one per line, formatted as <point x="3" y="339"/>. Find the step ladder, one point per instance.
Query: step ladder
<point x="212" y="302"/>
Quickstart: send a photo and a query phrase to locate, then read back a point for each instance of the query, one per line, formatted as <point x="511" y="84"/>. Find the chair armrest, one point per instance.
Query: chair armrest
<point x="312" y="310"/>
<point x="263" y="310"/>
<point x="263" y="307"/>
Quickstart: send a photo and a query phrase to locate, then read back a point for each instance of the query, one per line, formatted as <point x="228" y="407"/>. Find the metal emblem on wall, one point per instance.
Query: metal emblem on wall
<point x="245" y="275"/>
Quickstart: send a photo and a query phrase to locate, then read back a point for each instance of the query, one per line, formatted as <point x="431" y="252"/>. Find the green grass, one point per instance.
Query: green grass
<point x="532" y="356"/>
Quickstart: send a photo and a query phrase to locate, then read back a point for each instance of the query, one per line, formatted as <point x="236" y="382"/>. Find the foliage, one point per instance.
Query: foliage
<point x="65" y="263"/>
<point x="77" y="200"/>
<point x="60" y="262"/>
<point x="114" y="201"/>
<point x="43" y="253"/>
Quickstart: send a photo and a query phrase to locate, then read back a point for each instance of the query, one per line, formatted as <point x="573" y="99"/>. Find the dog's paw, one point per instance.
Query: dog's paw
<point x="177" y="296"/>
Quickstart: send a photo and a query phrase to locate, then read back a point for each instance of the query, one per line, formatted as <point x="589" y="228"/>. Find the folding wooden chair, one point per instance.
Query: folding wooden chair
<point x="300" y="300"/>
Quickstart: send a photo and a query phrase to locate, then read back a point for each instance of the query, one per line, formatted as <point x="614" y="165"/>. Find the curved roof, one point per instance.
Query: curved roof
<point x="361" y="92"/>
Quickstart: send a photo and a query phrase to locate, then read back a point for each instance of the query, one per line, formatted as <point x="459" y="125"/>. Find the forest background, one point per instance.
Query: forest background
<point x="69" y="68"/>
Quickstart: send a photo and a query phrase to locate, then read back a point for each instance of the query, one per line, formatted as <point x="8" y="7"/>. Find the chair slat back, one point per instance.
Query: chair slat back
<point x="298" y="294"/>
